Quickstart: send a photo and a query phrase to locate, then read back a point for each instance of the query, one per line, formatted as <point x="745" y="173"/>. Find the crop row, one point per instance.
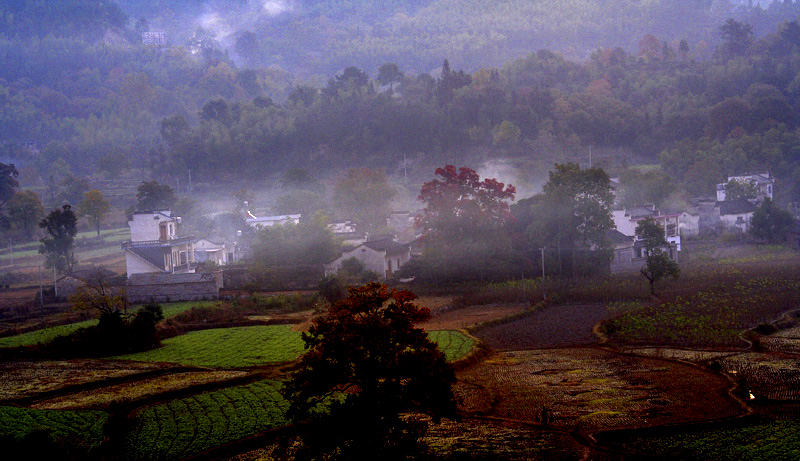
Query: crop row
<point x="227" y="347"/>
<point x="772" y="441"/>
<point x="187" y="426"/>
<point x="20" y="422"/>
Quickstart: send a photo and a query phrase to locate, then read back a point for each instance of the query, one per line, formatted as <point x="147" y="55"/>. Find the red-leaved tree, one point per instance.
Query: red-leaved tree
<point x="464" y="228"/>
<point x="460" y="204"/>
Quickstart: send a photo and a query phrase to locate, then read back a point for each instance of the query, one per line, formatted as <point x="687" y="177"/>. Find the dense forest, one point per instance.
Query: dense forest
<point x="80" y="95"/>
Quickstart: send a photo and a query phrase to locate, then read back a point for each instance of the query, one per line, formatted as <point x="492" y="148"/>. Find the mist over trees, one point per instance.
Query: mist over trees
<point x="92" y="103"/>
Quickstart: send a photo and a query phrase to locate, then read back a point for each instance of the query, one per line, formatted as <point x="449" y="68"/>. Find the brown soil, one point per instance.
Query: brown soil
<point x="469" y="316"/>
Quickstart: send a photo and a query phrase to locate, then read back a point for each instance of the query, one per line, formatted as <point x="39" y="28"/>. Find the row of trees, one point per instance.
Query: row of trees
<point x="709" y="117"/>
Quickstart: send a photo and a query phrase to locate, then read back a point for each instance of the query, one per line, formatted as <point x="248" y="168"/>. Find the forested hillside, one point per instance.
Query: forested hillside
<point x="100" y="101"/>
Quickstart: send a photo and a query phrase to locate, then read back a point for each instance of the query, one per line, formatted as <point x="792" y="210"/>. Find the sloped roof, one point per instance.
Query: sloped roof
<point x="387" y="245"/>
<point x="640" y="212"/>
<point x="153" y="255"/>
<point x="614" y="236"/>
<point x="155" y="278"/>
<point x="739" y="206"/>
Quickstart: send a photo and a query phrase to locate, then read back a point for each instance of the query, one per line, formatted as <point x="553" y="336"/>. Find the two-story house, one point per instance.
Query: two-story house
<point x="155" y="247"/>
<point x="763" y="183"/>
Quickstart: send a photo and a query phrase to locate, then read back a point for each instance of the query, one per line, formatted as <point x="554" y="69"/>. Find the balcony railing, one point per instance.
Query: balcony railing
<point x="157" y="243"/>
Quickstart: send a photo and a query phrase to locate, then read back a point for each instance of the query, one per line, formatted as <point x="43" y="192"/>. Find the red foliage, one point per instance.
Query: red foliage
<point x="458" y="200"/>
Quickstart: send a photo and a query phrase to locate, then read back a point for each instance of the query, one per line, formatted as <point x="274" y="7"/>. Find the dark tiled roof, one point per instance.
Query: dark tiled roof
<point x="156" y="278"/>
<point x="153" y="255"/>
<point x="640" y="212"/>
<point x="387" y="245"/>
<point x="615" y="236"/>
<point x="739" y="206"/>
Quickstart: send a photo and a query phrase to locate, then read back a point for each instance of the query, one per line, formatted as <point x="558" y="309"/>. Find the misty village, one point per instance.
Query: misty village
<point x="440" y="230"/>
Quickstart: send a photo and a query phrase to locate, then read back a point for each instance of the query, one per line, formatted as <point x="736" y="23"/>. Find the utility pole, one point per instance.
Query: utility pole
<point x="190" y="182"/>
<point x="41" y="291"/>
<point x="590" y="156"/>
<point x="11" y="250"/>
<point x="544" y="290"/>
<point x="405" y="169"/>
<point x="55" y="285"/>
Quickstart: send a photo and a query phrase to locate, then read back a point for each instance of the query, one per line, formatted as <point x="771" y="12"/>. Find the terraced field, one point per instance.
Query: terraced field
<point x="46" y="334"/>
<point x="227" y="347"/>
<point x="20" y="422"/>
<point x="187" y="426"/>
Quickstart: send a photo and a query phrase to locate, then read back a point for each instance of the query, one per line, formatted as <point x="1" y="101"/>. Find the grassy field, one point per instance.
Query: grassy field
<point x="257" y="345"/>
<point x="227" y="347"/>
<point x="20" y="422"/>
<point x="771" y="441"/>
<point x="46" y="334"/>
<point x="111" y="236"/>
<point x="183" y="427"/>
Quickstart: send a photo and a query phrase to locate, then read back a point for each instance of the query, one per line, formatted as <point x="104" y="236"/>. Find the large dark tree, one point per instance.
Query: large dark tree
<point x="770" y="223"/>
<point x="366" y="365"/>
<point x="57" y="245"/>
<point x="150" y="196"/>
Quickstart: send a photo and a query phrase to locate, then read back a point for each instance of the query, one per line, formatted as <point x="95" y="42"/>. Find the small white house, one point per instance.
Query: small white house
<point x="381" y="256"/>
<point x="214" y="250"/>
<point x="154" y="245"/>
<point x="626" y="221"/>
<point x="269" y="221"/>
<point x="735" y="215"/>
<point x="764" y="183"/>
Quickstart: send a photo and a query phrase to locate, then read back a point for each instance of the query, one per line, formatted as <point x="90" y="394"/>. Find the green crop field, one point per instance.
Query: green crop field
<point x="772" y="441"/>
<point x="183" y="427"/>
<point x="256" y="345"/>
<point x="454" y="344"/>
<point x="20" y="422"/>
<point x="227" y="347"/>
<point x="46" y="334"/>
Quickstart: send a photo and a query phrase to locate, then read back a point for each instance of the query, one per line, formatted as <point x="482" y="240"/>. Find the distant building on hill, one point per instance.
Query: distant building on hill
<point x="156" y="39"/>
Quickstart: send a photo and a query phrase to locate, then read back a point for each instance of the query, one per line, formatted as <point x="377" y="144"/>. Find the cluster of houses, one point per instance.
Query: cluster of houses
<point x="704" y="216"/>
<point x="161" y="266"/>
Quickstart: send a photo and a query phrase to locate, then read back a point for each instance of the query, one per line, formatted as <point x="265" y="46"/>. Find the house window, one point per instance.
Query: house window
<point x="183" y="257"/>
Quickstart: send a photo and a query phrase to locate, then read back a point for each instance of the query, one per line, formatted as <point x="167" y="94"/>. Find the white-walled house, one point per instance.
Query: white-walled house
<point x="626" y="221"/>
<point x="381" y="256"/>
<point x="269" y="221"/>
<point x="764" y="183"/>
<point x="215" y="250"/>
<point x="154" y="246"/>
<point x="735" y="215"/>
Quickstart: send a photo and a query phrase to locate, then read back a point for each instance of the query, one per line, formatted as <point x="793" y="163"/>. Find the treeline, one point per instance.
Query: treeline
<point x="91" y="106"/>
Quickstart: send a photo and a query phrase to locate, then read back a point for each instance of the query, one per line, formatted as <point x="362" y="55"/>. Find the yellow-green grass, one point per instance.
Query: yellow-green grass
<point x="70" y="424"/>
<point x="227" y="347"/>
<point x="110" y="236"/>
<point x="47" y="334"/>
<point x="257" y="345"/>
<point x="183" y="427"/>
<point x="454" y="344"/>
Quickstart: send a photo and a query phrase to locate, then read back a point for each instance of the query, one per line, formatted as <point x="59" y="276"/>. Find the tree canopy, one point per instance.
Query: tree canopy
<point x="60" y="226"/>
<point x="366" y="364"/>
<point x="658" y="263"/>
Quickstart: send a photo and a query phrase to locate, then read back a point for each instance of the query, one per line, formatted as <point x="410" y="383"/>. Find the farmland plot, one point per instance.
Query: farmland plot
<point x="566" y="325"/>
<point x="769" y="441"/>
<point x="127" y="391"/>
<point x="713" y="317"/>
<point x="20" y="422"/>
<point x="591" y="389"/>
<point x="227" y="347"/>
<point x="766" y="376"/>
<point x="454" y="344"/>
<point x="25" y="379"/>
<point x="187" y="426"/>
<point x="47" y="334"/>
